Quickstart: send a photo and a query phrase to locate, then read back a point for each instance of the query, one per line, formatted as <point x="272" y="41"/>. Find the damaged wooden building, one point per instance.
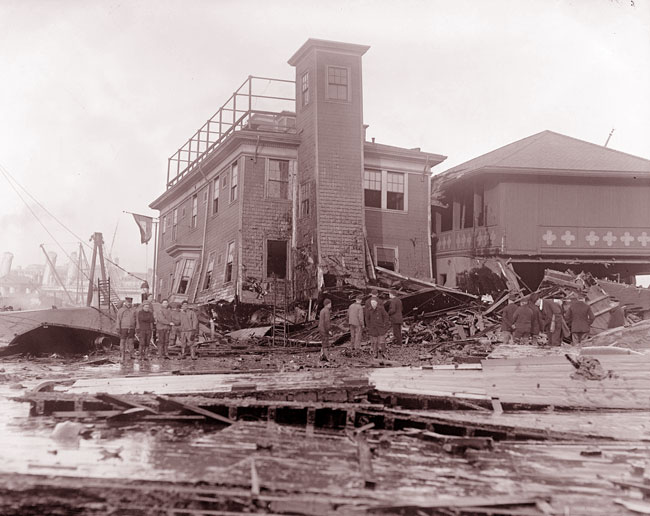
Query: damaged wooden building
<point x="547" y="201"/>
<point x="279" y="194"/>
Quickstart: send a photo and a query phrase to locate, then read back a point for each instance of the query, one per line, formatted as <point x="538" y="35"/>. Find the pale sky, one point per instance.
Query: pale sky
<point x="96" y="95"/>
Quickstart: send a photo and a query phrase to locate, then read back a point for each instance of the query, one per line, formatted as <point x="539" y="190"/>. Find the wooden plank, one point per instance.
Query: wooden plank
<point x="78" y="414"/>
<point x="197" y="410"/>
<point x="364" y="455"/>
<point x="120" y="402"/>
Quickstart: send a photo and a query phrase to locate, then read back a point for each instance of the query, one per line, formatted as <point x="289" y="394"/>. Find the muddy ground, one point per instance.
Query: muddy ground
<point x="259" y="467"/>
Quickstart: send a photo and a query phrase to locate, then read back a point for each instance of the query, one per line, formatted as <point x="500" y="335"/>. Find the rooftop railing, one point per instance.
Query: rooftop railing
<point x="260" y="103"/>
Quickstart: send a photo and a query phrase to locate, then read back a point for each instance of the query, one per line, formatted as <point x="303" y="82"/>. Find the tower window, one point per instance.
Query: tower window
<point x="304" y="88"/>
<point x="278" y="179"/>
<point x="337" y="83"/>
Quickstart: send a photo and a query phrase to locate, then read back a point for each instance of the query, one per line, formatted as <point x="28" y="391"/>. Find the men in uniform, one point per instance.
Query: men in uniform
<point x="126" y="328"/>
<point x="144" y="325"/>
<point x="162" y="316"/>
<point x="189" y="330"/>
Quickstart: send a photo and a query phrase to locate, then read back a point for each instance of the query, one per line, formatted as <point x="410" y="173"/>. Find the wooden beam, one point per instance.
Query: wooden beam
<point x="197" y="410"/>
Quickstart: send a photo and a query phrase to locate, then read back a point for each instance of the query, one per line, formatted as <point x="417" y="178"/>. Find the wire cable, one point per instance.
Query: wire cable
<point x="8" y="175"/>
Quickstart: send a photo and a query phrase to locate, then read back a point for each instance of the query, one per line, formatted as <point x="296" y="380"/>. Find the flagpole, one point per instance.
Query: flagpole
<point x="154" y="287"/>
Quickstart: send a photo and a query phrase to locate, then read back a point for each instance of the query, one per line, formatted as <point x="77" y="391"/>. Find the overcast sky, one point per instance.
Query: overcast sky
<point x="96" y="95"/>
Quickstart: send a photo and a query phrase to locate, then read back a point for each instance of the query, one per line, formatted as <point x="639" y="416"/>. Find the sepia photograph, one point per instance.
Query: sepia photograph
<point x="346" y="257"/>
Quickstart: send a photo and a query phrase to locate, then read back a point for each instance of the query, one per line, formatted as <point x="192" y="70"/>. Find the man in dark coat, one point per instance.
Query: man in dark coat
<point x="579" y="317"/>
<point x="145" y="320"/>
<point x="162" y="317"/>
<point x="523" y="321"/>
<point x="395" y="316"/>
<point x="507" y="322"/>
<point x="325" y="328"/>
<point x="126" y="328"/>
<point x="377" y="322"/>
<point x="550" y="321"/>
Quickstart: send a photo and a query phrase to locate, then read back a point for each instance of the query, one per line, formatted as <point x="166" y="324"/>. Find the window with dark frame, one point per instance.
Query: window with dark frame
<point x="186" y="276"/>
<point x="386" y="258"/>
<point x="215" y="197"/>
<point x="278" y="179"/>
<point x="394" y="191"/>
<point x="337" y="83"/>
<point x="234" y="178"/>
<point x="372" y="188"/>
<point x="208" y="271"/>
<point x="276" y="259"/>
<point x="195" y="210"/>
<point x="174" y="223"/>
<point x="305" y="191"/>
<point x="304" y="88"/>
<point x="230" y="258"/>
<point x="164" y="224"/>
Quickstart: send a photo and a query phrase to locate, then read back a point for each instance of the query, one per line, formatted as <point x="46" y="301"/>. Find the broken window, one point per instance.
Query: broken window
<point x="195" y="210"/>
<point x="386" y="257"/>
<point x="186" y="276"/>
<point x="305" y="190"/>
<point x="276" y="259"/>
<point x="175" y="224"/>
<point x="234" y="178"/>
<point x="466" y="200"/>
<point x="395" y="191"/>
<point x="208" y="271"/>
<point x="278" y="179"/>
<point x="215" y="197"/>
<point x="372" y="188"/>
<point x="230" y="257"/>
<point x="173" y="280"/>
<point x="304" y="88"/>
<point x="337" y="83"/>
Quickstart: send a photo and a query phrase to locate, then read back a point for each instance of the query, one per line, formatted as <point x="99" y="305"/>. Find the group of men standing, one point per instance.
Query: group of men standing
<point x="522" y="322"/>
<point x="375" y="316"/>
<point x="159" y="323"/>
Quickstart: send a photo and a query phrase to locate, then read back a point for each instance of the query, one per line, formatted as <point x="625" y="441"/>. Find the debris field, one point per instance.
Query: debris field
<point x="453" y="422"/>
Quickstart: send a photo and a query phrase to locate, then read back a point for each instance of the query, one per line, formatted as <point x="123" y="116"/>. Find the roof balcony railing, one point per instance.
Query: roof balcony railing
<point x="260" y="103"/>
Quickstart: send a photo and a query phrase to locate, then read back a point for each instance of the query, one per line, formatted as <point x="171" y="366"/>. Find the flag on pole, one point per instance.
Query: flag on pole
<point x="146" y="225"/>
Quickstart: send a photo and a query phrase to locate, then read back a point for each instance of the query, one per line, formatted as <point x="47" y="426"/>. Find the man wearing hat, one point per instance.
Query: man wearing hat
<point x="325" y="328"/>
<point x="395" y="316"/>
<point x="579" y="316"/>
<point x="126" y="328"/>
<point x="162" y="318"/>
<point x="523" y="321"/>
<point x="144" y="326"/>
<point x="377" y="322"/>
<point x="356" y="321"/>
<point x="189" y="330"/>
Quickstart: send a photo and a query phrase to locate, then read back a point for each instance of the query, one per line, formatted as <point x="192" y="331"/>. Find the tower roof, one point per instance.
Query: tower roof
<point x="334" y="46"/>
